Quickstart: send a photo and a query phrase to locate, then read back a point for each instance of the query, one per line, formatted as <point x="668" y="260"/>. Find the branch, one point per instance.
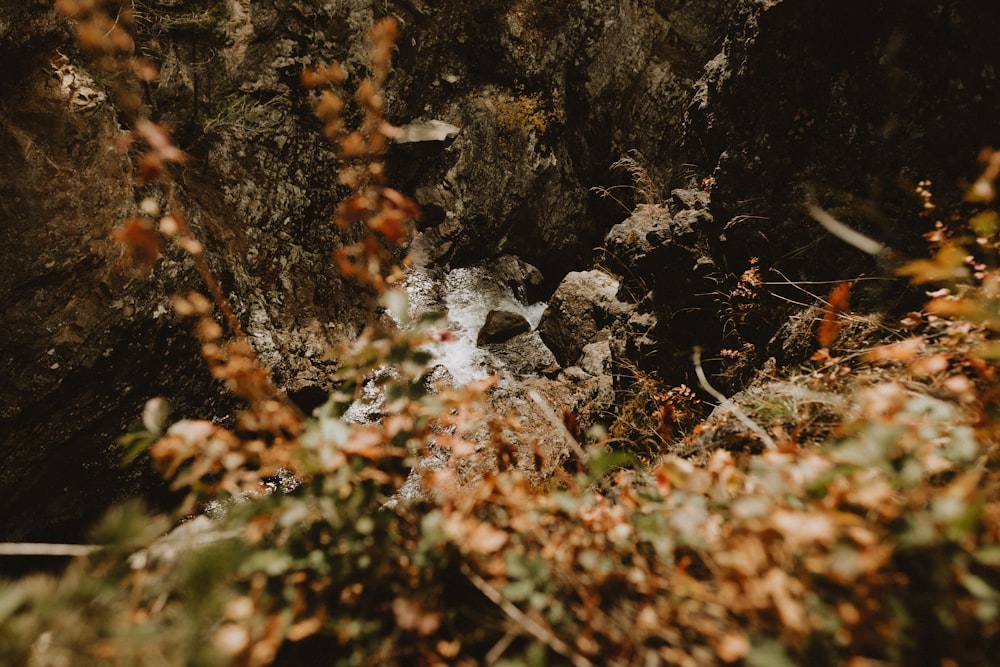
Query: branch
<point x="550" y="414"/>
<point x="728" y="404"/>
<point x="45" y="549"/>
<point x="527" y="623"/>
<point x="844" y="233"/>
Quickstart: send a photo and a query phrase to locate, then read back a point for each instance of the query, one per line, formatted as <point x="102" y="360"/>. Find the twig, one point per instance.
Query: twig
<point x="844" y="233"/>
<point x="500" y="647"/>
<point x="46" y="549"/>
<point x="551" y="416"/>
<point x="728" y="404"/>
<point x="531" y="626"/>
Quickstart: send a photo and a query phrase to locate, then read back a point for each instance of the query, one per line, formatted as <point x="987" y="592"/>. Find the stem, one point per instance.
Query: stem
<point x="728" y="404"/>
<point x="530" y="625"/>
<point x="46" y="549"/>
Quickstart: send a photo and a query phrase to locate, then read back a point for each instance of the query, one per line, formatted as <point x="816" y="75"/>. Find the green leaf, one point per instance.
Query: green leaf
<point x="918" y="531"/>
<point x="365" y="525"/>
<point x="985" y="224"/>
<point x="767" y="652"/>
<point x="988" y="351"/>
<point x="988" y="555"/>
<point x="962" y="446"/>
<point x="135" y="444"/>
<point x="397" y="303"/>
<point x="518" y="591"/>
<point x="128" y="526"/>
<point x="605" y="462"/>
<point x="11" y="599"/>
<point x="979" y="587"/>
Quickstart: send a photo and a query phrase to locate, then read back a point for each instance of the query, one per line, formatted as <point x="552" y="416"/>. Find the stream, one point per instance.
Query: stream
<point x="467" y="295"/>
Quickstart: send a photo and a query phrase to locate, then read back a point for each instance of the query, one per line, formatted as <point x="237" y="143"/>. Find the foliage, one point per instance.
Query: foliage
<point x="880" y="546"/>
<point x="522" y="112"/>
<point x="652" y="416"/>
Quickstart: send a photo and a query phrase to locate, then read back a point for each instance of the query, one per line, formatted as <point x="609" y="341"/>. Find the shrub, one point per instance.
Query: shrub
<point x="882" y="545"/>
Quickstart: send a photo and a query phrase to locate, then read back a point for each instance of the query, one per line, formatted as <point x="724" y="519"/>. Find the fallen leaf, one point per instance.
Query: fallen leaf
<point x="486" y="539"/>
<point x="410" y="615"/>
<point x="304" y="629"/>
<point x="930" y="365"/>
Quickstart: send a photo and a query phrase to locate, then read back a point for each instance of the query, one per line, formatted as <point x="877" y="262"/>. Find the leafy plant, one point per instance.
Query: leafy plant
<point x="881" y="545"/>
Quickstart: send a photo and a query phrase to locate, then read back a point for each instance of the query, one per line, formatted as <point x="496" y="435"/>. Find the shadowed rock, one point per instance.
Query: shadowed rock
<point x="500" y="326"/>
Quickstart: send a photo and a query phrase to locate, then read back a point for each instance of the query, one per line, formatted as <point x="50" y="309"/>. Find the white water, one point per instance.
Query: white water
<point x="467" y="295"/>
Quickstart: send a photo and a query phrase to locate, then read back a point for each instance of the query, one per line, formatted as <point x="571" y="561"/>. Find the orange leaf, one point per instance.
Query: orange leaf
<point x="353" y="145"/>
<point x="948" y="264"/>
<point x="141" y="239"/>
<point x="366" y="442"/>
<point x="352" y="210"/>
<point x="401" y="202"/>
<point x="159" y="140"/>
<point x="410" y="615"/>
<point x="145" y="69"/>
<point x="930" y="365"/>
<point x="304" y="629"/>
<point x="901" y="351"/>
<point x="732" y="646"/>
<point x="390" y="225"/>
<point x="329" y="106"/>
<point x="838" y="302"/>
<point x="150" y="168"/>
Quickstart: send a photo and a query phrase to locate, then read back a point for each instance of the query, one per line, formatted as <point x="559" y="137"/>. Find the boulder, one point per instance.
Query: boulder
<point x="664" y="253"/>
<point x="525" y="280"/>
<point x="579" y="312"/>
<point x="596" y="357"/>
<point x="523" y="355"/>
<point x="500" y="326"/>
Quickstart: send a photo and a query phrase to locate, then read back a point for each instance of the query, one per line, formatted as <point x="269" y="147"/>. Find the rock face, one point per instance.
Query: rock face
<point x="87" y="339"/>
<point x="84" y="341"/>
<point x="847" y="107"/>
<point x="665" y="255"/>
<point x="547" y="96"/>
<point x="739" y="112"/>
<point x="524" y="355"/>
<point x="802" y="103"/>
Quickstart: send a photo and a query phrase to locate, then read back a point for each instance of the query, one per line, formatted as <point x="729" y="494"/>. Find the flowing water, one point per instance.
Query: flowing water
<point x="467" y="295"/>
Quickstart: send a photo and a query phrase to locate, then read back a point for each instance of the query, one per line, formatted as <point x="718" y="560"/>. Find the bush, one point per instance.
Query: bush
<point x="882" y="545"/>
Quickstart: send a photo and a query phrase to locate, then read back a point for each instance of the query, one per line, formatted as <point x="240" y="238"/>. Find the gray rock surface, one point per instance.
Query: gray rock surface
<point x="524" y="355"/>
<point x="581" y="309"/>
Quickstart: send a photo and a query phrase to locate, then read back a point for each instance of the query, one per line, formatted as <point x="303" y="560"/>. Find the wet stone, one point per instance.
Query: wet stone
<point x="500" y="326"/>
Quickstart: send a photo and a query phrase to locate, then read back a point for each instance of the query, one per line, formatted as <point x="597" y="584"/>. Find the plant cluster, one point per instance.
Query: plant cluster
<point x="881" y="546"/>
<point x="653" y="416"/>
<point x="520" y="112"/>
<point x="379" y="212"/>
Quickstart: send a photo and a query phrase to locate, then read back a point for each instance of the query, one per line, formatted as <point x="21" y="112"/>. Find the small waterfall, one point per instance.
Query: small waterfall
<point x="467" y="295"/>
